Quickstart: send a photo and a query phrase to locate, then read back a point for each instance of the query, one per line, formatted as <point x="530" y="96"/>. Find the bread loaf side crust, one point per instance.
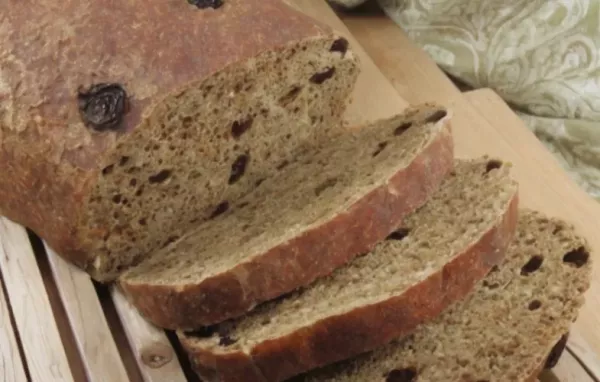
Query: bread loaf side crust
<point x="50" y="159"/>
<point x="364" y="329"/>
<point x="316" y="252"/>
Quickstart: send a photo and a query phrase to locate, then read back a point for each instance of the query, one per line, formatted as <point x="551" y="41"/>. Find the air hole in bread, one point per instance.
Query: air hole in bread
<point x="402" y="128"/>
<point x="108" y="169"/>
<point x="319" y="78"/>
<point x="490" y="285"/>
<point x="227" y="341"/>
<point x="436" y="116"/>
<point x="556" y="352"/>
<point x="240" y="127"/>
<point x="238" y="168"/>
<point x="532" y="265"/>
<point x="220" y="209"/>
<point x="325" y="185"/>
<point x="398" y="234"/>
<point x="170" y="240"/>
<point x="142" y="221"/>
<point x="242" y="205"/>
<point x="402" y="375"/>
<point x="123" y="161"/>
<point x="340" y="45"/>
<point x="557" y="229"/>
<point x="117" y="198"/>
<point x="493" y="164"/>
<point x="203" y="332"/>
<point x="535" y="305"/>
<point x="290" y="96"/>
<point x="380" y="148"/>
<point x="160" y="177"/>
<point x="282" y="165"/>
<point x="577" y="257"/>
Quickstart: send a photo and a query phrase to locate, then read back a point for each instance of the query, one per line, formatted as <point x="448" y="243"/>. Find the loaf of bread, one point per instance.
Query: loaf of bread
<point x="511" y="327"/>
<point x="124" y="123"/>
<point x="434" y="258"/>
<point x="330" y="204"/>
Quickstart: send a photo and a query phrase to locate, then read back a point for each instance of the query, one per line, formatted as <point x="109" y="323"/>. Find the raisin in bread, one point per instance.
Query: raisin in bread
<point x="508" y="329"/>
<point x="330" y="204"/>
<point x="435" y="258"/>
<point x="124" y="123"/>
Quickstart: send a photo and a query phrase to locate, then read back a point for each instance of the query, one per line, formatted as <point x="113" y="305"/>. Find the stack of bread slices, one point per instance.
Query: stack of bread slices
<point x="210" y="175"/>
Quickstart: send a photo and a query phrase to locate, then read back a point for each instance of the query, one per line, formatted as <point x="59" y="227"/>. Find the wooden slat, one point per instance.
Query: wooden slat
<point x="95" y="343"/>
<point x="154" y="353"/>
<point x="11" y="365"/>
<point x="44" y="353"/>
<point x="568" y="369"/>
<point x="483" y="124"/>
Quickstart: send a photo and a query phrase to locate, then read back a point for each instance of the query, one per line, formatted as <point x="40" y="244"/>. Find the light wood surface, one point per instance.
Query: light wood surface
<point x="483" y="124"/>
<point x="95" y="343"/>
<point x="153" y="352"/>
<point x="11" y="364"/>
<point x="38" y="333"/>
<point x="568" y="369"/>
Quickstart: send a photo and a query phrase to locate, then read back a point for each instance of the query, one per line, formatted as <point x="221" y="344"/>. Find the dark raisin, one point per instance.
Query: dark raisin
<point x="238" y="168"/>
<point x="226" y="341"/>
<point x="493" y="164"/>
<point x="535" y="305"/>
<point x="103" y="106"/>
<point x="532" y="265"/>
<point x="203" y="4"/>
<point x="556" y="352"/>
<point x="398" y="234"/>
<point x="160" y="177"/>
<point x="220" y="209"/>
<point x="240" y="127"/>
<point x="325" y="185"/>
<point x="402" y="128"/>
<point x="402" y="375"/>
<point x="578" y="257"/>
<point x="319" y="78"/>
<point x="290" y="96"/>
<point x="380" y="148"/>
<point x="340" y="45"/>
<point x="435" y="117"/>
<point x="203" y="332"/>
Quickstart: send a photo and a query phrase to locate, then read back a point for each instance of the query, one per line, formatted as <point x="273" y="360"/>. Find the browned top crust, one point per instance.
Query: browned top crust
<point x="50" y="50"/>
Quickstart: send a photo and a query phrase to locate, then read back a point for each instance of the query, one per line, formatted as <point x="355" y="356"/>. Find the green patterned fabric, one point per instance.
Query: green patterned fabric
<point x="542" y="57"/>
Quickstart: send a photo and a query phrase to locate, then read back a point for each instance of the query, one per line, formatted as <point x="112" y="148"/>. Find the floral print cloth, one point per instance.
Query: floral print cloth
<point x="542" y="57"/>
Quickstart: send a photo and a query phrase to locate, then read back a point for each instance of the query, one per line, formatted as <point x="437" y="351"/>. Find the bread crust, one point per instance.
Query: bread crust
<point x="315" y="252"/>
<point x="362" y="329"/>
<point x="50" y="160"/>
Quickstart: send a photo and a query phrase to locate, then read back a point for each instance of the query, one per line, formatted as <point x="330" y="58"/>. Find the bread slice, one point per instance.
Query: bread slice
<point x="123" y="125"/>
<point x="508" y="329"/>
<point x="324" y="208"/>
<point x="434" y="258"/>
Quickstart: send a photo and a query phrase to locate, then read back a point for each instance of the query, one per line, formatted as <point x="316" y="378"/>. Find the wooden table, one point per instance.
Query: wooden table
<point x="63" y="327"/>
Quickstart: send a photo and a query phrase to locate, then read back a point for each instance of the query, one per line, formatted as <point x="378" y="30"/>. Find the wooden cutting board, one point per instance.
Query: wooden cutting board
<point x="56" y="325"/>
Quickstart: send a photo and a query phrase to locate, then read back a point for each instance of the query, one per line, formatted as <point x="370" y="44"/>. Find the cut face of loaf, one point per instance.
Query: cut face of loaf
<point x="508" y="329"/>
<point x="434" y="258"/>
<point x="122" y="126"/>
<point x="329" y="205"/>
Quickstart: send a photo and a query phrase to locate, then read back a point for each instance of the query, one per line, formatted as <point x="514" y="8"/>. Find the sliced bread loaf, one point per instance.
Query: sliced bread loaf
<point x="434" y="258"/>
<point x="324" y="208"/>
<point x="123" y="123"/>
<point x="511" y="327"/>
